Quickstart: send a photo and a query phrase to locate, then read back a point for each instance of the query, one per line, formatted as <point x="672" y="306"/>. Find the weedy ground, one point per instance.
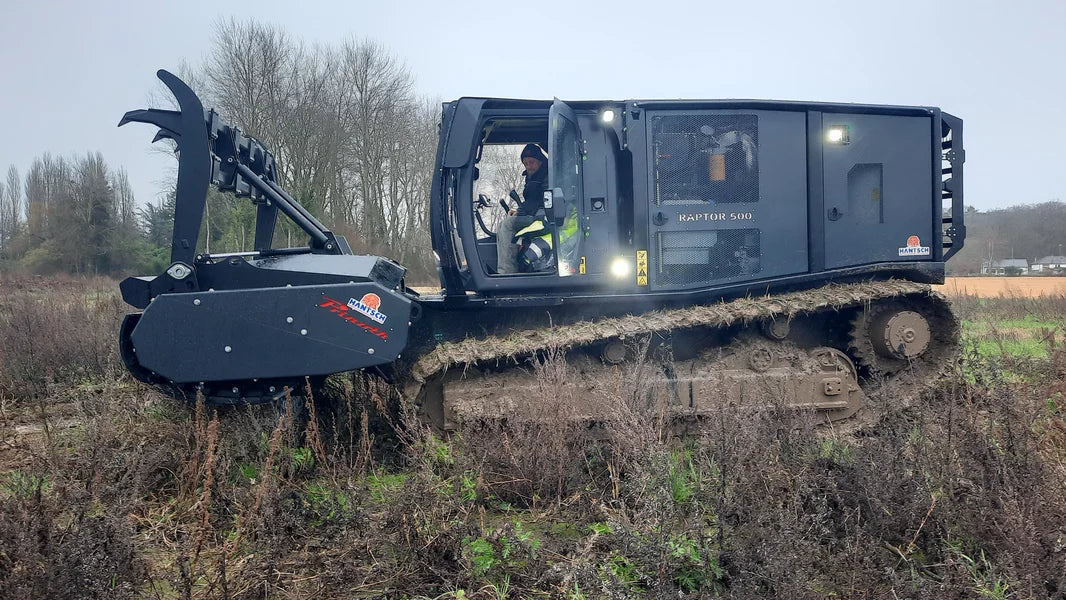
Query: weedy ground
<point x="108" y="490"/>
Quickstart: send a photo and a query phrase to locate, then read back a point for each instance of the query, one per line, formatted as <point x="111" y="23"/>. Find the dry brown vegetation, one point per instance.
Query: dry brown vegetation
<point x="108" y="490"/>
<point x="995" y="287"/>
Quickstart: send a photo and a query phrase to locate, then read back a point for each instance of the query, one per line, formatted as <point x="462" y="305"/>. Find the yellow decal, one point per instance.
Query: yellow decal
<point x="581" y="267"/>
<point x="642" y="267"/>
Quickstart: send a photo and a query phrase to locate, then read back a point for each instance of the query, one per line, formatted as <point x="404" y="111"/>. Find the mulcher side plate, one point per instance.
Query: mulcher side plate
<point x="264" y="333"/>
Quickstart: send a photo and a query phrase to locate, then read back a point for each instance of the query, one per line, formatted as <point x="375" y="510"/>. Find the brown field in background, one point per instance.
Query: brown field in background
<point x="994" y="287"/>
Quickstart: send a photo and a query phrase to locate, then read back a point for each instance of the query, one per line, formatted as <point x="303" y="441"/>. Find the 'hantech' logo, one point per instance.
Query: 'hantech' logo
<point x="341" y="310"/>
<point x="914" y="248"/>
<point x="368" y="305"/>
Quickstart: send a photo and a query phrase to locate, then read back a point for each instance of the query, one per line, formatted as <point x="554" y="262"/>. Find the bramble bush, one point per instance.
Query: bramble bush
<point x="108" y="490"/>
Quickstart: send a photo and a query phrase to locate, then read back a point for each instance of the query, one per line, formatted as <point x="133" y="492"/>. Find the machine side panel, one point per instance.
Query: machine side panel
<point x="271" y="332"/>
<point x="878" y="182"/>
<point x="727" y="196"/>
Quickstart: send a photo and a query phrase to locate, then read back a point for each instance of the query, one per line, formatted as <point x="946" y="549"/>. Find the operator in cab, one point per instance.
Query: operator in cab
<point x="536" y="175"/>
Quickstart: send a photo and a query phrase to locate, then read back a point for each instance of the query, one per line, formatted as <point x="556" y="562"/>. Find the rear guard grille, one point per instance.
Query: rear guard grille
<point x="706" y="158"/>
<point x="688" y="257"/>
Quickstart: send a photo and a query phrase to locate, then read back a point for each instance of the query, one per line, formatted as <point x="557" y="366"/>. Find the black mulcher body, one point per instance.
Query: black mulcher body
<point x="757" y="251"/>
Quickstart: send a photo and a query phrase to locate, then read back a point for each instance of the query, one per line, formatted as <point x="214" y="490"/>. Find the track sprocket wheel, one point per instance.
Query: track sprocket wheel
<point x="888" y="337"/>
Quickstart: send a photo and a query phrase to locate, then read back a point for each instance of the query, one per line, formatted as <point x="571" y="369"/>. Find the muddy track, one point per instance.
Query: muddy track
<point x="502" y="389"/>
<point x="505" y="347"/>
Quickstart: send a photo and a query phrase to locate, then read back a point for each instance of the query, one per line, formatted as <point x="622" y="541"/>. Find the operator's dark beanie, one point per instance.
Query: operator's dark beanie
<point x="534" y="151"/>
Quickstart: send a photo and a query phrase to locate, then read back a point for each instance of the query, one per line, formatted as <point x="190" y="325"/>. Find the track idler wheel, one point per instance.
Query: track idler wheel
<point x="903" y="335"/>
<point x="889" y="338"/>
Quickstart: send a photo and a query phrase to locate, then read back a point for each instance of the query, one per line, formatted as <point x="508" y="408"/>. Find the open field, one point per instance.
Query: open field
<point x="994" y="287"/>
<point x="108" y="490"/>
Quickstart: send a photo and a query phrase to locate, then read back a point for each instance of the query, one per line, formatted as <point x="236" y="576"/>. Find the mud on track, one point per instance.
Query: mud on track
<point x="507" y="346"/>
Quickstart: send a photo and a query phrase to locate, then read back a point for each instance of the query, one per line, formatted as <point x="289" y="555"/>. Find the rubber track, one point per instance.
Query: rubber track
<point x="519" y="343"/>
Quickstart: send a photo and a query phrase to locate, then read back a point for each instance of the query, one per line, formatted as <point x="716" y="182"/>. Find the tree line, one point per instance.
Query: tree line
<point x="1031" y="231"/>
<point x="354" y="143"/>
<point x="73" y="215"/>
<point x="353" y="140"/>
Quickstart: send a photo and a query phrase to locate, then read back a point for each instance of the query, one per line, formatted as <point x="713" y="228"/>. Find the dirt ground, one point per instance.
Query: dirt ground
<point x="994" y="287"/>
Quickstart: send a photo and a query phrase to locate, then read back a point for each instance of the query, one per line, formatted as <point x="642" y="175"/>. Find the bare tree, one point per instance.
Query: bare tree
<point x="414" y="177"/>
<point x="277" y="91"/>
<point x="47" y="185"/>
<point x="3" y="218"/>
<point x="501" y="171"/>
<point x="5" y="237"/>
<point x="13" y="203"/>
<point x="249" y="75"/>
<point x="353" y="144"/>
<point x="125" y="204"/>
<point x="378" y="88"/>
<point x="82" y="225"/>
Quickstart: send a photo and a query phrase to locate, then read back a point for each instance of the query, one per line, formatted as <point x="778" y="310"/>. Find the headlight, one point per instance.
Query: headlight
<point x="607" y="115"/>
<point x="838" y="134"/>
<point x="620" y="268"/>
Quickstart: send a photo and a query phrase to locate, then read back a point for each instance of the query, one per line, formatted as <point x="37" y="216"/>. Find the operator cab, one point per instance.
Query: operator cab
<point x="676" y="197"/>
<point x="573" y="234"/>
<point x="499" y="182"/>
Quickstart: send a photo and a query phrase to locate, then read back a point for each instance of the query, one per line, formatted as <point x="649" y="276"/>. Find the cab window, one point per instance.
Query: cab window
<point x="510" y="245"/>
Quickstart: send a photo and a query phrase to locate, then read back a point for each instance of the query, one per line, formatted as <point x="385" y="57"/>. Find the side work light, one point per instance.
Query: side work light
<point x="838" y="134"/>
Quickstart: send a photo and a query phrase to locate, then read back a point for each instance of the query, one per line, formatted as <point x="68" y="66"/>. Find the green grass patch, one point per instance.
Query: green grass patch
<point x="1029" y="322"/>
<point x="1028" y="338"/>
<point x="383" y="485"/>
<point x="20" y="484"/>
<point x="1014" y="348"/>
<point x="325" y="502"/>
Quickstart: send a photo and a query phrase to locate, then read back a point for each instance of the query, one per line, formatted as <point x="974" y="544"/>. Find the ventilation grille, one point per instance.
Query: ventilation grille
<point x="689" y="257"/>
<point x="706" y="158"/>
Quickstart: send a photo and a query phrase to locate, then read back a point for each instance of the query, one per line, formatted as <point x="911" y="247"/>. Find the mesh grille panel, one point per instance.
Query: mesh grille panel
<point x="687" y="257"/>
<point x="702" y="158"/>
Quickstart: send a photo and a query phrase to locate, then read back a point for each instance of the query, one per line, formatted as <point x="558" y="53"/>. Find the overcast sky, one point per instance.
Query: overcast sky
<point x="70" y="69"/>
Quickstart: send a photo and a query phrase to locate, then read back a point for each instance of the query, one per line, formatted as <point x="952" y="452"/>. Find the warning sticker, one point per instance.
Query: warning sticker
<point x="642" y="267"/>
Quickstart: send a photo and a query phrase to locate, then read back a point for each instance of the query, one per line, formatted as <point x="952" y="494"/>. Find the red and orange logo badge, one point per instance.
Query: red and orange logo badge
<point x="374" y="301"/>
<point x="914" y="247"/>
<point x="368" y="305"/>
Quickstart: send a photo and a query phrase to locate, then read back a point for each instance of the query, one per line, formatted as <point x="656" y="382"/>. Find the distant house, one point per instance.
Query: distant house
<point x="1007" y="266"/>
<point x="1049" y="264"/>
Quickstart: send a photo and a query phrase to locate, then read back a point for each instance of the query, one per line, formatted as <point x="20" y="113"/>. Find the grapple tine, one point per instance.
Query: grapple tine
<point x="168" y="122"/>
<point x="165" y="134"/>
<point x="164" y="119"/>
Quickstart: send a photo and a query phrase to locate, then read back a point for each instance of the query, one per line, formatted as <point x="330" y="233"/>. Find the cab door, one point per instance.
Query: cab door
<point x="565" y="156"/>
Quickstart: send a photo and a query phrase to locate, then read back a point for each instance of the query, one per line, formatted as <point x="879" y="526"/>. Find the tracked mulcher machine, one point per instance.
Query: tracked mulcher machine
<point x="747" y="252"/>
